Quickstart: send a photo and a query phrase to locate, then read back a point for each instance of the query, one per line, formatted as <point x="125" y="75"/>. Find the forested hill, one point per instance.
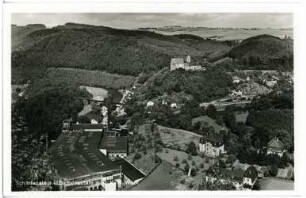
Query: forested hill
<point x="264" y="52"/>
<point x="127" y="52"/>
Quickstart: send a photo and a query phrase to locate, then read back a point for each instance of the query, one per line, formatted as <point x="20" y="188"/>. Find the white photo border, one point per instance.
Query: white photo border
<point x="297" y="8"/>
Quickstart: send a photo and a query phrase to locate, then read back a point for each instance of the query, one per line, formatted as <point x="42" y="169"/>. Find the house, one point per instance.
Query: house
<point x="150" y="103"/>
<point x="69" y="127"/>
<point x="275" y="146"/>
<point x="250" y="177"/>
<point x="131" y="174"/>
<point x="225" y="176"/>
<point x="114" y="147"/>
<point x="173" y="105"/>
<point x="271" y="83"/>
<point x="81" y="166"/>
<point x="211" y="145"/>
<point x="236" y="79"/>
<point x="240" y="179"/>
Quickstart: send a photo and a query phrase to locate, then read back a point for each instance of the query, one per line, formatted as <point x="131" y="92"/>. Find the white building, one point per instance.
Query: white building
<point x="150" y="103"/>
<point x="179" y="63"/>
<point x="211" y="145"/>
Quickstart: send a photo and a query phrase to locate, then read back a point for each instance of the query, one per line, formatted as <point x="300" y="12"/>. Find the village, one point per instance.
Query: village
<point x="98" y="152"/>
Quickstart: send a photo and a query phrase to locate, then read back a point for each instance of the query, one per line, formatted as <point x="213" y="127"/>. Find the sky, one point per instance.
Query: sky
<point x="138" y="20"/>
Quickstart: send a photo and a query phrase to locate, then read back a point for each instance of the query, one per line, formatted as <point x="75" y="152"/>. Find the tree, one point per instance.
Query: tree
<point x="193" y="172"/>
<point x="273" y="170"/>
<point x="211" y="111"/>
<point x="192" y="148"/>
<point x="186" y="169"/>
<point x="137" y="156"/>
<point x="83" y="119"/>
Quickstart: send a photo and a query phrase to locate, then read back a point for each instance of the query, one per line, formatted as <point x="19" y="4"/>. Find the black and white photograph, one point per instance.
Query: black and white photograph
<point x="152" y="101"/>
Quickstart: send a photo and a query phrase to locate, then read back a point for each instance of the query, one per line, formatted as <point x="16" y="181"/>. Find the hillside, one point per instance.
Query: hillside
<point x="267" y="50"/>
<point x="124" y="52"/>
<point x="265" y="46"/>
<point x="20" y="33"/>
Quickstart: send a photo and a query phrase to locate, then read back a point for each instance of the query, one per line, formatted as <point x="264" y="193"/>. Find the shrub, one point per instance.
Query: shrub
<point x="193" y="172"/>
<point x="182" y="181"/>
<point x="273" y="170"/>
<point x="137" y="156"/>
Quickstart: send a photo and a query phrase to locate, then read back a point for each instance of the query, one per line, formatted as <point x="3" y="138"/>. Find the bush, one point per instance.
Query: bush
<point x="182" y="181"/>
<point x="193" y="172"/>
<point x="193" y="163"/>
<point x="137" y="156"/>
<point x="273" y="170"/>
<point x="175" y="158"/>
<point x="201" y="165"/>
<point x="191" y="185"/>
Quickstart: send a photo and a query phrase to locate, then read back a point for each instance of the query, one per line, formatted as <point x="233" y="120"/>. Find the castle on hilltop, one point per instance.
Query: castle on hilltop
<point x="180" y="63"/>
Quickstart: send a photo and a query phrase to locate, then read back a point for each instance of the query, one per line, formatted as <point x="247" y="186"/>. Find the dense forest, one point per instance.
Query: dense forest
<point x="124" y="52"/>
<point x="203" y="86"/>
<point x="264" y="52"/>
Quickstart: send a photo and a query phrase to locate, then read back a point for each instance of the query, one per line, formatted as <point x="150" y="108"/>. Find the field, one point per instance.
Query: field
<point x="229" y="34"/>
<point x="272" y="183"/>
<point x="90" y="78"/>
<point x="241" y="116"/>
<point x="177" y="137"/>
<point x="211" y="122"/>
<point x="164" y="177"/>
<point x="169" y="155"/>
<point x="96" y="91"/>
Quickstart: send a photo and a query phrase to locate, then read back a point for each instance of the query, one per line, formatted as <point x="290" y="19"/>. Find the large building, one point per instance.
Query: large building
<point x="211" y="145"/>
<point x="114" y="147"/>
<point x="180" y="63"/>
<point x="82" y="166"/>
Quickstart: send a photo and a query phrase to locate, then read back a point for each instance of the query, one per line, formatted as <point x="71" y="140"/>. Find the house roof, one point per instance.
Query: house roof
<point x="275" y="143"/>
<point x="214" y="138"/>
<point x="177" y="61"/>
<point x="129" y="170"/>
<point x="114" y="144"/>
<point x="98" y="98"/>
<point x="86" y="126"/>
<point x="233" y="175"/>
<point x="77" y="154"/>
<point x="251" y="172"/>
<point x="92" y="115"/>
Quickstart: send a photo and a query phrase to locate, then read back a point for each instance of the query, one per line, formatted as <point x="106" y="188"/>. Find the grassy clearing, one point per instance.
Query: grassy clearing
<point x="241" y="116"/>
<point x="180" y="157"/>
<point x="90" y="78"/>
<point x="146" y="163"/>
<point x="177" y="137"/>
<point x="273" y="183"/>
<point x="164" y="177"/>
<point x="211" y="122"/>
